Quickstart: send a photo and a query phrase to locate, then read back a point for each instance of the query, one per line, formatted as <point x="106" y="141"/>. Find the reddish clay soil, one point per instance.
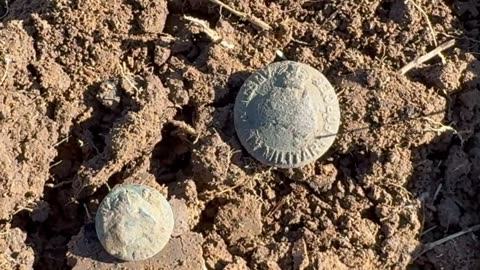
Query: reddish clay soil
<point x="98" y="93"/>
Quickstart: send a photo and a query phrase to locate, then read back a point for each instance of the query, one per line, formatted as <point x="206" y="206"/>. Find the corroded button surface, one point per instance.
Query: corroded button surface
<point x="287" y="114"/>
<point x="134" y="222"/>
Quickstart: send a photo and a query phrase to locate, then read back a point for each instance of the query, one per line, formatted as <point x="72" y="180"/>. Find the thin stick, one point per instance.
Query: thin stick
<point x="252" y="19"/>
<point x="424" y="58"/>
<point x="301" y="42"/>
<point x="277" y="206"/>
<point x="437" y="192"/>
<point x="429" y="246"/>
<point x="62" y="141"/>
<point x="89" y="216"/>
<point x="429" y="230"/>
<point x="55" y="164"/>
<point x="244" y="181"/>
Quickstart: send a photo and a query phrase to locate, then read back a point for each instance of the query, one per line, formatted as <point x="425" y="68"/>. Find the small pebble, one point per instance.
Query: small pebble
<point x="109" y="94"/>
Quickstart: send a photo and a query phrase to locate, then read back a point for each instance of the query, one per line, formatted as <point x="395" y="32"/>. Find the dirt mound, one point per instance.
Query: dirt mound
<point x="96" y="93"/>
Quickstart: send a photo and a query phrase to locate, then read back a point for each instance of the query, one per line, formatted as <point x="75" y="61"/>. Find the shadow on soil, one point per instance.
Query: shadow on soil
<point x="50" y="228"/>
<point x="11" y="10"/>
<point x="446" y="171"/>
<point x="446" y="179"/>
<point x="90" y="247"/>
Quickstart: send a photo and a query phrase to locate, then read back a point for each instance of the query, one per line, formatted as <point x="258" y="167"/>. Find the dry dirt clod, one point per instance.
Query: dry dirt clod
<point x="180" y="211"/>
<point x="134" y="222"/>
<point x="153" y="15"/>
<point x="212" y="34"/>
<point x="239" y="219"/>
<point x="5" y="73"/>
<point x="287" y="115"/>
<point x="15" y="254"/>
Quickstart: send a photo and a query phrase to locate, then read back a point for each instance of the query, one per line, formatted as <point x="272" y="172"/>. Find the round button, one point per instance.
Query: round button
<point x="287" y="115"/>
<point x="134" y="222"/>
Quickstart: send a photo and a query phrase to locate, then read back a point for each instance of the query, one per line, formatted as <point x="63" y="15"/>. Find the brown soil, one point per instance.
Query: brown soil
<point x="97" y="93"/>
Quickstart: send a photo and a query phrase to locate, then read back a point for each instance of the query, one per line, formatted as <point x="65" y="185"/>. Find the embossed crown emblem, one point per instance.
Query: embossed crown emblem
<point x="291" y="77"/>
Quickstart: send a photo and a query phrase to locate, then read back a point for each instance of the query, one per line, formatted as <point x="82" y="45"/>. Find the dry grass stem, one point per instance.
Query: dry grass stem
<point x="434" y="35"/>
<point x="437" y="192"/>
<point x="429" y="246"/>
<point x="429" y="230"/>
<point x="252" y="19"/>
<point x="212" y="34"/>
<point x="55" y="164"/>
<point x="277" y="206"/>
<point x="89" y="216"/>
<point x="424" y="58"/>
<point x="301" y="42"/>
<point x="216" y="194"/>
<point x="61" y="141"/>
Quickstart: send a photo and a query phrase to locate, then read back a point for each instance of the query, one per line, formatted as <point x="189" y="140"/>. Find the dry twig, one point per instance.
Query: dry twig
<point x="89" y="216"/>
<point x="61" y="141"/>
<point x="428" y="230"/>
<point x="252" y="19"/>
<point x="437" y="192"/>
<point x="277" y="206"/>
<point x="55" y="164"/>
<point x="212" y="34"/>
<point x="429" y="246"/>
<point x="424" y="58"/>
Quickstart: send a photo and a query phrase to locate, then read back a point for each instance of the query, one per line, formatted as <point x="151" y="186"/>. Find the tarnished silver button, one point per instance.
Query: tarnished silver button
<point x="287" y="115"/>
<point x="134" y="222"/>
